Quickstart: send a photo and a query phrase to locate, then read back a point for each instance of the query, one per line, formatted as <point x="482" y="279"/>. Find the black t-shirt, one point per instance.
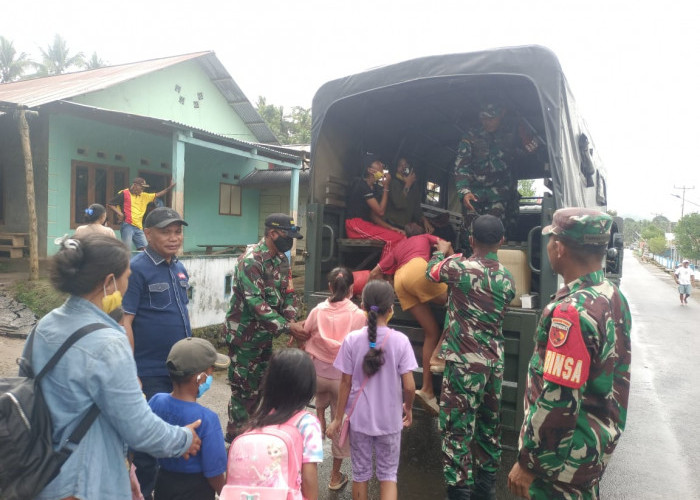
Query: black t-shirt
<point x="356" y="201"/>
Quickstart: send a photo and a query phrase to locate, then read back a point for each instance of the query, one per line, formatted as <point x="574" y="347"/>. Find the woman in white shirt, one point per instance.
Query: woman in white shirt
<point x="95" y="216"/>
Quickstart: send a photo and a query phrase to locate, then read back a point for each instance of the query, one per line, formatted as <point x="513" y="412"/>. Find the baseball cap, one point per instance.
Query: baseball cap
<point x="686" y="260"/>
<point x="284" y="222"/>
<point x="141" y="182"/>
<point x="162" y="217"/>
<point x="582" y="226"/>
<point x="487" y="229"/>
<point x="194" y="355"/>
<point x="491" y="109"/>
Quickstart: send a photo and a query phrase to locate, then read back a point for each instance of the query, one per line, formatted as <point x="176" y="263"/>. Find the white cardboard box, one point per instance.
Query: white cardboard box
<point x="530" y="301"/>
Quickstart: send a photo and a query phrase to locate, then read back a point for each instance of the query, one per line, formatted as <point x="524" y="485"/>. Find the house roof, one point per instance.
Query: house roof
<point x="38" y="91"/>
<point x="166" y="127"/>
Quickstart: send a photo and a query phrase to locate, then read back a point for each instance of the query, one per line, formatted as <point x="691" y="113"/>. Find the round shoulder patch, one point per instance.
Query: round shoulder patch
<point x="559" y="331"/>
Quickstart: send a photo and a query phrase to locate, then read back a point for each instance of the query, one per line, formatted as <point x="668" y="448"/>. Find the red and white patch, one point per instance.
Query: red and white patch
<point x="181" y="276"/>
<point x="559" y="331"/>
<point x="567" y="361"/>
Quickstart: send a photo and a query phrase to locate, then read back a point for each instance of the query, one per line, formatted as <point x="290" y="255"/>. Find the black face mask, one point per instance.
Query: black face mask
<point x="284" y="243"/>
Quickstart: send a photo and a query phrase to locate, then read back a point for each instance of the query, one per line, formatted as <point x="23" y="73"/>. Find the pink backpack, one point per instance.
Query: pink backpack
<point x="265" y="463"/>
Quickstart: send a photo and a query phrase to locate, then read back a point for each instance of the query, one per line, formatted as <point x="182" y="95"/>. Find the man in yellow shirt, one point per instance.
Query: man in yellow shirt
<point x="130" y="206"/>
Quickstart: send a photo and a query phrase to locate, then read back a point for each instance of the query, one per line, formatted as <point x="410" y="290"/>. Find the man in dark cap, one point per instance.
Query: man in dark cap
<point x="578" y="378"/>
<point x="479" y="289"/>
<point x="263" y="306"/>
<point x="155" y="313"/>
<point x="483" y="169"/>
<point x="130" y="206"/>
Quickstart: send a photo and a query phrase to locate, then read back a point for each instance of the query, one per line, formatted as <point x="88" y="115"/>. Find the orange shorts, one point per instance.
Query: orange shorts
<point x="412" y="287"/>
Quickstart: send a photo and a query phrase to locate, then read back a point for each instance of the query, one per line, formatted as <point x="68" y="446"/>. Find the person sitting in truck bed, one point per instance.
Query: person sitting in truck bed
<point x="403" y="206"/>
<point x="364" y="218"/>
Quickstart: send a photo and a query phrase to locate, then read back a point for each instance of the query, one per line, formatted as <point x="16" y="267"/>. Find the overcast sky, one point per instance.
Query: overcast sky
<point x="632" y="65"/>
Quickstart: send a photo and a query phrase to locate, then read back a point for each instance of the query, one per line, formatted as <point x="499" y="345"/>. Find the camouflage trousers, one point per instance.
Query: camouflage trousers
<point x="469" y="419"/>
<point x="546" y="490"/>
<point x="248" y="365"/>
<point x="504" y="209"/>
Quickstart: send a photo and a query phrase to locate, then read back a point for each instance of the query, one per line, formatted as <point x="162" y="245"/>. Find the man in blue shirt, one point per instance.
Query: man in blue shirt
<point x="155" y="313"/>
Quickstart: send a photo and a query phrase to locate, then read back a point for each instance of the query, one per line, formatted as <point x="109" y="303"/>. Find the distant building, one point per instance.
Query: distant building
<point x="180" y="117"/>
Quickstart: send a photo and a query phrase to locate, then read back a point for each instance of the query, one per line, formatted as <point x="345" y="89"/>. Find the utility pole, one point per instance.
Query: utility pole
<point x="684" y="188"/>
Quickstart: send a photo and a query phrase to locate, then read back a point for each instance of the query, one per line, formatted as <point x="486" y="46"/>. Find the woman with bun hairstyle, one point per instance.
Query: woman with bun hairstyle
<point x="95" y="216"/>
<point x="98" y="369"/>
<point x="328" y="323"/>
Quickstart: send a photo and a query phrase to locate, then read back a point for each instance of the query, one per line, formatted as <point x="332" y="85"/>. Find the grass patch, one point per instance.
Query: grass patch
<point x="39" y="296"/>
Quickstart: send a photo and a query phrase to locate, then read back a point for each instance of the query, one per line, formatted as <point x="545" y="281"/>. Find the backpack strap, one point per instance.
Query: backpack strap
<point x="94" y="411"/>
<point x="77" y="335"/>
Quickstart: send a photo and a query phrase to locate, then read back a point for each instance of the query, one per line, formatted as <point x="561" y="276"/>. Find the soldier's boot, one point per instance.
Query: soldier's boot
<point x="459" y="493"/>
<point x="485" y="486"/>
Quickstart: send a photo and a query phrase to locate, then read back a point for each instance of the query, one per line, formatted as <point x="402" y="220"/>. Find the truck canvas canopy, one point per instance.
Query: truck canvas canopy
<point x="420" y="109"/>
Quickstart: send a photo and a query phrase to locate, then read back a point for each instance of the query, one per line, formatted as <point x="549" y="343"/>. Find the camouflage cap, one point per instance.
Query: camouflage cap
<point x="491" y="110"/>
<point x="582" y="226"/>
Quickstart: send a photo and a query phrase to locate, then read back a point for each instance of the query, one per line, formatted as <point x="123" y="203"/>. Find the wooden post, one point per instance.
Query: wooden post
<point x="31" y="204"/>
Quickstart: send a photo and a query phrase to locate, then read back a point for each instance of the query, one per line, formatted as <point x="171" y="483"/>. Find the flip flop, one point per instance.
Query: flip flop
<point x="429" y="404"/>
<point x="343" y="482"/>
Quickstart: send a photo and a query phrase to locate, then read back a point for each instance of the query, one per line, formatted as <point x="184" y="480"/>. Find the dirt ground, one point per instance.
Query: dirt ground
<point x="10" y="350"/>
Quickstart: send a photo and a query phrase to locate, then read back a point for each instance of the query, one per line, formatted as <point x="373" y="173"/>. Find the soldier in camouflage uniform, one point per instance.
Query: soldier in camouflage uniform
<point x="483" y="173"/>
<point x="263" y="306"/>
<point x="479" y="290"/>
<point x="579" y="375"/>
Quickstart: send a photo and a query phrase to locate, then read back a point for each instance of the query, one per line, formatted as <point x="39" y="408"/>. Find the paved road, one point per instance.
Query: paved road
<point x="658" y="454"/>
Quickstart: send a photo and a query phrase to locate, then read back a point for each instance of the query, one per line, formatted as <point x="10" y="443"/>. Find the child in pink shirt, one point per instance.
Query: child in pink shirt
<point x="376" y="362"/>
<point x="328" y="323"/>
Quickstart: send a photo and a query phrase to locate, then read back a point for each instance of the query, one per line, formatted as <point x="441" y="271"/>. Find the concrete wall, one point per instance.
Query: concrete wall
<point x="67" y="134"/>
<point x="155" y="95"/>
<point x="204" y="171"/>
<point x="210" y="299"/>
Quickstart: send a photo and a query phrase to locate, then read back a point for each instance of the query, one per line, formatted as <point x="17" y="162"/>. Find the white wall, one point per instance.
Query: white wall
<point x="210" y="300"/>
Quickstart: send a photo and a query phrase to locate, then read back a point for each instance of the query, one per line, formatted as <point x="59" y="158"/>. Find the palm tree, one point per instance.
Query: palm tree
<point x="95" y="62"/>
<point x="12" y="65"/>
<point x="57" y="58"/>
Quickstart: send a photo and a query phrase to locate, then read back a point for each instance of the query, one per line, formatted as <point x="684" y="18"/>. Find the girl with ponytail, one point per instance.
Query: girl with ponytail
<point x="376" y="390"/>
<point x="328" y="323"/>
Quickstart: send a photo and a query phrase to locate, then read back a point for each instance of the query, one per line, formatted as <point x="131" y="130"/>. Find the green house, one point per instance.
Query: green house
<point x="181" y="118"/>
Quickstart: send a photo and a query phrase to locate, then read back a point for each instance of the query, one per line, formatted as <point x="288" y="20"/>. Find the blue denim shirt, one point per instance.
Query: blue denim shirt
<point x="100" y="369"/>
<point x="157" y="297"/>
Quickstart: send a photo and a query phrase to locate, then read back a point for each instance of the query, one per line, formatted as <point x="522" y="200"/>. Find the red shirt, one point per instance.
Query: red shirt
<point x="410" y="248"/>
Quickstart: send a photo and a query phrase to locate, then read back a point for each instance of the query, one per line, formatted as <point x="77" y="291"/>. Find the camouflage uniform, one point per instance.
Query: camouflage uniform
<point x="262" y="304"/>
<point x="470" y="402"/>
<point x="579" y="375"/>
<point x="482" y="167"/>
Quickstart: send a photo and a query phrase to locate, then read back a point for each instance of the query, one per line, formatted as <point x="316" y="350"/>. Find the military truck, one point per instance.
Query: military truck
<point x="420" y="109"/>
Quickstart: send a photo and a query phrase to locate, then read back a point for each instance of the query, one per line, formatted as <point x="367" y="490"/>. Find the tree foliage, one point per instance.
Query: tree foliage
<point x="290" y="128"/>
<point x="651" y="231"/>
<point x="657" y="245"/>
<point x="57" y="58"/>
<point x="526" y="188"/>
<point x="688" y="236"/>
<point x="12" y="64"/>
<point x="94" y="62"/>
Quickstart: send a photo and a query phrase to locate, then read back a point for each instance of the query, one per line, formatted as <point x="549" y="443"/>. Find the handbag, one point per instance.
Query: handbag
<point x="345" y="426"/>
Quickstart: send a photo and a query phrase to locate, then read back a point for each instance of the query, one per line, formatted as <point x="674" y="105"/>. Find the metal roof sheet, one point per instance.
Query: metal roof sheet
<point x="38" y="91"/>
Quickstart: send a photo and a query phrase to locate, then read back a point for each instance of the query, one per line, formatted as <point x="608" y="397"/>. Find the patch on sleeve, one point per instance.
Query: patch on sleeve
<point x="567" y="360"/>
